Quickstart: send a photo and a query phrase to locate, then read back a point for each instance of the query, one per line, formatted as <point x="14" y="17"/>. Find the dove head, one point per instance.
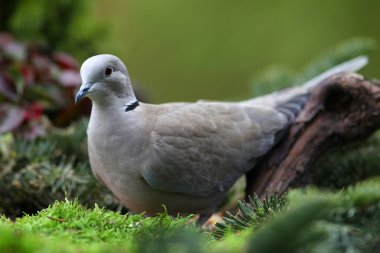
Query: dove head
<point x="105" y="78"/>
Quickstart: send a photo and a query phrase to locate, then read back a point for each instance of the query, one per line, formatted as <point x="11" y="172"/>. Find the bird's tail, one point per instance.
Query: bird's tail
<point x="350" y="66"/>
<point x="291" y="101"/>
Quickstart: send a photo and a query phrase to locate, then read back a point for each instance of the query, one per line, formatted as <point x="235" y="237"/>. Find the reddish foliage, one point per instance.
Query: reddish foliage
<point x="35" y="82"/>
<point x="33" y="112"/>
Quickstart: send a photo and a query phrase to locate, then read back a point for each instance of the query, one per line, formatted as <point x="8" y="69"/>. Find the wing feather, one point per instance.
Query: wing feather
<point x="202" y="148"/>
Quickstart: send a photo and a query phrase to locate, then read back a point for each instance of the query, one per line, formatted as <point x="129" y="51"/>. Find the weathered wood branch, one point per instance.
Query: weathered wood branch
<point x="342" y="109"/>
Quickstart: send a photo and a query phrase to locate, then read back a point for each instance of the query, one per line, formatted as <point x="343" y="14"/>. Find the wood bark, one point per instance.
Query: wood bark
<point x="343" y="108"/>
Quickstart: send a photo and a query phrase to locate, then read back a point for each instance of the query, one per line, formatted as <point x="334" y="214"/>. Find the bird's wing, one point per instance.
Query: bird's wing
<point x="202" y="148"/>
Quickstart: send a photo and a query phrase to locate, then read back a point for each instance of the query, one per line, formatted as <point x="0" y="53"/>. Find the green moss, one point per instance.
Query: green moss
<point x="69" y="225"/>
<point x="24" y="242"/>
<point x="313" y="221"/>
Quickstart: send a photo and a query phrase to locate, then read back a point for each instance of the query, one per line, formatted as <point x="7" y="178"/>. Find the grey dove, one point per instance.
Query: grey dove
<point x="185" y="156"/>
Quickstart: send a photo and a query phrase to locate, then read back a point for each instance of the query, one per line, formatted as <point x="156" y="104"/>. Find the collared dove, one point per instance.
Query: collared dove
<point x="185" y="156"/>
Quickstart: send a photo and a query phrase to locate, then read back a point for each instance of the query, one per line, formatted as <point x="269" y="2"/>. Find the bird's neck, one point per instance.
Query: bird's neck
<point x="109" y="123"/>
<point x="105" y="102"/>
<point x="115" y="105"/>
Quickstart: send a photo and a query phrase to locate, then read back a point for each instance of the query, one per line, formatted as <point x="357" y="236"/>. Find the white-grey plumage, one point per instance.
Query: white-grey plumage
<point x="185" y="156"/>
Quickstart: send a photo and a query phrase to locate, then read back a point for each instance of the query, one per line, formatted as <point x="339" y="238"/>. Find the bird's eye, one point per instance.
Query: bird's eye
<point x="108" y="71"/>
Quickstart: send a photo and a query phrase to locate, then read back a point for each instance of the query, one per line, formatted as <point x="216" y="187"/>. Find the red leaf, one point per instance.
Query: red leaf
<point x="27" y="74"/>
<point x="41" y="62"/>
<point x="65" y="61"/>
<point x="5" y="38"/>
<point x="33" y="112"/>
<point x="70" y="78"/>
<point x="11" y="48"/>
<point x="10" y="117"/>
<point x="35" y="129"/>
<point x="7" y="88"/>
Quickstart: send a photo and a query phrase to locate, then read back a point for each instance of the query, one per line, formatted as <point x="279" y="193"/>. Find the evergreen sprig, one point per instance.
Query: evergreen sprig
<point x="251" y="213"/>
<point x="36" y="172"/>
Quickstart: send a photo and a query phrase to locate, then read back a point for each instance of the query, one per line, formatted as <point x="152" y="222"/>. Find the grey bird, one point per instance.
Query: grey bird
<point x="185" y="156"/>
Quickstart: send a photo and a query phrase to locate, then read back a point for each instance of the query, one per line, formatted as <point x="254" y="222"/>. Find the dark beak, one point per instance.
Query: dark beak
<point x="82" y="92"/>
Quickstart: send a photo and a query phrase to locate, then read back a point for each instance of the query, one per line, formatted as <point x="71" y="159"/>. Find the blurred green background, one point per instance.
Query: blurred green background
<point x="186" y="50"/>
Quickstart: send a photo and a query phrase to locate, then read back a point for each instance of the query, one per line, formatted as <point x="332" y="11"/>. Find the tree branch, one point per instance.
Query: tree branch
<point x="342" y="109"/>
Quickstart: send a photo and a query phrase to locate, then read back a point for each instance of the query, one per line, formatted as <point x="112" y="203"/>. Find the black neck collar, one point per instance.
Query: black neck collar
<point x="132" y="106"/>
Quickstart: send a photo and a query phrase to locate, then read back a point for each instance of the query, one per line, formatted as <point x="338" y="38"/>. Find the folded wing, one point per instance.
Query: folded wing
<point x="200" y="149"/>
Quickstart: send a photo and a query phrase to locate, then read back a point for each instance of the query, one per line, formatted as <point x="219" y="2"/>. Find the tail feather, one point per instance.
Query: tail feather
<point x="350" y="66"/>
<point x="293" y="107"/>
<point x="291" y="101"/>
<point x="291" y="104"/>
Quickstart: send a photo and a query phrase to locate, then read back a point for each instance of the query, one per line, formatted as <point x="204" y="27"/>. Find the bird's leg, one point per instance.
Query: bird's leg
<point x="203" y="218"/>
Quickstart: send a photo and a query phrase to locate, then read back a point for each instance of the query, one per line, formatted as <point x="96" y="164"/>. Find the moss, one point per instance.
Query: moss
<point x="69" y="225"/>
<point x="314" y="221"/>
